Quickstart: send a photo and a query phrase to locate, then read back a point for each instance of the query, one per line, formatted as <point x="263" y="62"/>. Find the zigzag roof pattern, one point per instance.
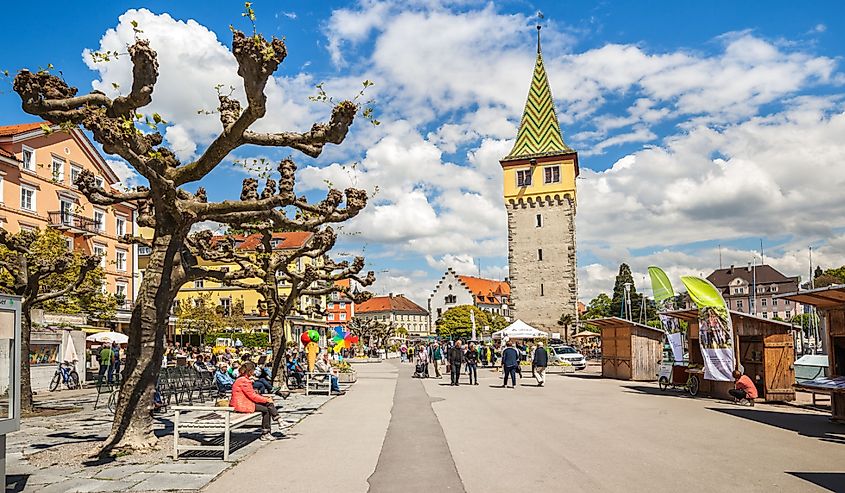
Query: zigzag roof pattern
<point x="539" y="131"/>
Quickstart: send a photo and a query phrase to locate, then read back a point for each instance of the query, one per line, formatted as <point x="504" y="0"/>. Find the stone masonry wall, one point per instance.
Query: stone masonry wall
<point x="556" y="272"/>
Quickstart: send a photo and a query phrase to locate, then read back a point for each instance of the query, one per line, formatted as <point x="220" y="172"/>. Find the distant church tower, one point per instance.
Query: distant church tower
<point x="540" y="173"/>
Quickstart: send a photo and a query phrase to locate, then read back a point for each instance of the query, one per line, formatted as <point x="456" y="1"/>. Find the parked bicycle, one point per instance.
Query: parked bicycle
<point x="65" y="374"/>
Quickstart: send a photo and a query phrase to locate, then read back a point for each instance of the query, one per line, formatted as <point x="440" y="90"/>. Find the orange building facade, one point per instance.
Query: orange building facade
<point x="37" y="170"/>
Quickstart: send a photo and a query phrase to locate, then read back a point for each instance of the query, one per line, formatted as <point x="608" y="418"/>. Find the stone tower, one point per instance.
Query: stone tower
<point x="539" y="192"/>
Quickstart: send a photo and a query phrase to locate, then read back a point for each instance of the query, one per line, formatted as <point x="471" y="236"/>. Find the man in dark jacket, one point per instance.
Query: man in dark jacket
<point x="456" y="357"/>
<point x="540" y="362"/>
<point x="510" y="361"/>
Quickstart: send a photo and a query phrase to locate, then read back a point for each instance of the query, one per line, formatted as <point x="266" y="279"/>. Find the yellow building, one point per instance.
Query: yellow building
<point x="228" y="297"/>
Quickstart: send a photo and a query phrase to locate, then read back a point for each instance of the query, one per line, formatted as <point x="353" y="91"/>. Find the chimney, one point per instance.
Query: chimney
<point x="390" y="295"/>
<point x="731" y="270"/>
<point x="749" y="266"/>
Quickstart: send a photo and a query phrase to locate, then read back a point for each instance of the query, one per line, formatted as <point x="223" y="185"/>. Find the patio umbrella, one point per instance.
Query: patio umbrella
<point x="108" y="337"/>
<point x="587" y="333"/>
<point x="70" y="351"/>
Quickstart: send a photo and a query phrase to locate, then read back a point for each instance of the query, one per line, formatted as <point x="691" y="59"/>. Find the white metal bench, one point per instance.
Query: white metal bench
<point x="215" y="418"/>
<point x="321" y="382"/>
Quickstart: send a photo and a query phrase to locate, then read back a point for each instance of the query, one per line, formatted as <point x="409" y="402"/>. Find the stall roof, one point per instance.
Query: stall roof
<point x="616" y="322"/>
<point x="827" y="297"/>
<point x="692" y="314"/>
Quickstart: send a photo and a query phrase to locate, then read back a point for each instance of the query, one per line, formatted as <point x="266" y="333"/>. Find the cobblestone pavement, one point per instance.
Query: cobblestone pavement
<point x="158" y="472"/>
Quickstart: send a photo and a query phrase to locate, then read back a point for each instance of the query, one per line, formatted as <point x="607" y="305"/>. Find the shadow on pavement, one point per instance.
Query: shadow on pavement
<point x="586" y="376"/>
<point x="16" y="483"/>
<point x="833" y="481"/>
<point x="642" y="389"/>
<point x="808" y="425"/>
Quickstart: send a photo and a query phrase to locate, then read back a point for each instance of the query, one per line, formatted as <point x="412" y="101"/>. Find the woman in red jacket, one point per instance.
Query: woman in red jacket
<point x="246" y="400"/>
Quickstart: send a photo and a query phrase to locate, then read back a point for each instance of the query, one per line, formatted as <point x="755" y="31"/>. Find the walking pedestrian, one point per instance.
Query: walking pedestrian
<point x="471" y="359"/>
<point x="456" y="356"/>
<point x="540" y="362"/>
<point x="510" y="362"/>
<point x="436" y="356"/>
<point x="106" y="364"/>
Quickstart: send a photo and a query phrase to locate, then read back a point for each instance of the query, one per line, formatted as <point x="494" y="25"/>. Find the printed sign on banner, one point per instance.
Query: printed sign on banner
<point x="664" y="297"/>
<point x="715" y="331"/>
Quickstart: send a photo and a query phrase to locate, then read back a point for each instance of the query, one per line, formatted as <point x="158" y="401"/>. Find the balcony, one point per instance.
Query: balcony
<point x="68" y="221"/>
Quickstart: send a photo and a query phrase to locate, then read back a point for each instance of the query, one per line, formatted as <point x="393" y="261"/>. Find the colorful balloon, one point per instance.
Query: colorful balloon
<point x="313" y="335"/>
<point x="304" y="338"/>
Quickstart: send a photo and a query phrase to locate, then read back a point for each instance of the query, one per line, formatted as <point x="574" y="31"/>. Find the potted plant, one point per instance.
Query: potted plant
<point x="345" y="372"/>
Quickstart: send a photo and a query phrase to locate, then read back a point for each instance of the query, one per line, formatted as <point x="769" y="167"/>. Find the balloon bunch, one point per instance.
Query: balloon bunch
<point x="310" y="336"/>
<point x="343" y="339"/>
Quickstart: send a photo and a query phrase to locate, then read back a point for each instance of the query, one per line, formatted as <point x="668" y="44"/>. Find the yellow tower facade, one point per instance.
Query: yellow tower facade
<point x="540" y="193"/>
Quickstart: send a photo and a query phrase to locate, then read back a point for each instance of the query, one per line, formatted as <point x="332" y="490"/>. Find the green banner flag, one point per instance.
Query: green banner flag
<point x="660" y="284"/>
<point x="715" y="331"/>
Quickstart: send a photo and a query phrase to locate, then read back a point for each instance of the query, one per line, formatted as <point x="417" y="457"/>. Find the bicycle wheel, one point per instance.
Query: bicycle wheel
<point x="54" y="384"/>
<point x="73" y="380"/>
<point x="692" y="387"/>
<point x="663" y="383"/>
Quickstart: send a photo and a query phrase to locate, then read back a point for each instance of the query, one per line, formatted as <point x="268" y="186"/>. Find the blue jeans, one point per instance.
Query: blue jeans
<point x="510" y="370"/>
<point x="335" y="386"/>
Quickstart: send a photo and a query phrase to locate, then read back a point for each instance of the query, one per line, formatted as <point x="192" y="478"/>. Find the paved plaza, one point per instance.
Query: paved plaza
<point x="391" y="432"/>
<point x="578" y="433"/>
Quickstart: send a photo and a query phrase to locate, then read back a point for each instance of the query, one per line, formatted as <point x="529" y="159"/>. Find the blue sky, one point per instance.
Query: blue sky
<point x="698" y="123"/>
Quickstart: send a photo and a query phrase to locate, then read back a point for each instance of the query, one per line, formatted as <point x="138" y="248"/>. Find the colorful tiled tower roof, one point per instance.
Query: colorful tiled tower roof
<point x="539" y="131"/>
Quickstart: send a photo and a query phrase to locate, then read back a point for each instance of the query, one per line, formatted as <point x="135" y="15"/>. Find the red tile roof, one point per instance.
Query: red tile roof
<point x="9" y="130"/>
<point x="287" y="241"/>
<point x="397" y="303"/>
<point x="8" y="154"/>
<point x="486" y="291"/>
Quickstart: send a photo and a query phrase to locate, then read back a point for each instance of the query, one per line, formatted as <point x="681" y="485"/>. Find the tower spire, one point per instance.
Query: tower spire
<point x="538" y="38"/>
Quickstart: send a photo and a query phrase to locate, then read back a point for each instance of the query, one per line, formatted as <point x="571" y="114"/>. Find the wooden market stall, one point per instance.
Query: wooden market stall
<point x="629" y="351"/>
<point x="763" y="347"/>
<point x="830" y="302"/>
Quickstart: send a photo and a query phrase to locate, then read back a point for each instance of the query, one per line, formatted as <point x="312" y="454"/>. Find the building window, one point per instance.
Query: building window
<point x="343" y="305"/>
<point x="144" y="250"/>
<point x="74" y="174"/>
<point x="28" y="158"/>
<point x="120" y="290"/>
<point x="542" y="291"/>
<point x="739" y="304"/>
<point x="540" y="254"/>
<point x="523" y="178"/>
<point x="342" y="316"/>
<point x="101" y="251"/>
<point x="58" y="170"/>
<point x="120" y="226"/>
<point x="788" y="315"/>
<point x="765" y="314"/>
<point x="763" y="302"/>
<point x="450" y="299"/>
<point x="330" y="305"/>
<point x="1" y="189"/>
<point x="539" y="220"/>
<point x="100" y="220"/>
<point x="27" y="198"/>
<point x="120" y="260"/>
<point x="439" y="312"/>
<point x="198" y="284"/>
<point x="774" y="302"/>
<point x="69" y="244"/>
<point x="226" y="306"/>
<point x="99" y="181"/>
<point x="552" y="174"/>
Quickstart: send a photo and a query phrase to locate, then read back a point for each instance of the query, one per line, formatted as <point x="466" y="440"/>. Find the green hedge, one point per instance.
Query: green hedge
<point x="249" y="339"/>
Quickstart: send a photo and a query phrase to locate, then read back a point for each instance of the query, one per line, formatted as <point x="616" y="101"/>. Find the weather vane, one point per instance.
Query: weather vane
<point x="540" y="17"/>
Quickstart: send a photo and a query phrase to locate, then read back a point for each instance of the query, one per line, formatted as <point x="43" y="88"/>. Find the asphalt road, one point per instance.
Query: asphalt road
<point x="578" y="433"/>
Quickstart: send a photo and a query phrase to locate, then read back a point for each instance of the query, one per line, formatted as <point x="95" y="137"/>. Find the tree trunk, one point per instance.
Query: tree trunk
<point x="277" y="333"/>
<point x="26" y="377"/>
<point x="132" y="426"/>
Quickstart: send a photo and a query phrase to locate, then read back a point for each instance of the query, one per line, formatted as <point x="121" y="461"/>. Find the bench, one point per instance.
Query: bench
<point x="216" y="418"/>
<point x="318" y="380"/>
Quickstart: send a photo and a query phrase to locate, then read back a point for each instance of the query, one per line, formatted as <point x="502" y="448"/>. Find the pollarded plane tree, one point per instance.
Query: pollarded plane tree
<point x="373" y="330"/>
<point x="37" y="266"/>
<point x="169" y="209"/>
<point x="317" y="277"/>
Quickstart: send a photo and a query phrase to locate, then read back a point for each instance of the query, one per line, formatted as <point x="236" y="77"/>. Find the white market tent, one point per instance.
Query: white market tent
<point x="519" y="330"/>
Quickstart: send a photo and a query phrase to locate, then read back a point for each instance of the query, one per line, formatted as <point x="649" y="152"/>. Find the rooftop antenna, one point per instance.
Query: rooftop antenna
<point x="762" y="257"/>
<point x="720" y="255"/>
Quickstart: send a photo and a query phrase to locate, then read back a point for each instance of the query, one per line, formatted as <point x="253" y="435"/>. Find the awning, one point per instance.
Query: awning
<point x="616" y="322"/>
<point x="586" y="333"/>
<point x="692" y="314"/>
<point x="827" y="297"/>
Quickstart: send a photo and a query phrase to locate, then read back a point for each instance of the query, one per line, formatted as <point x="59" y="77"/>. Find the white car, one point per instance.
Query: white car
<point x="570" y="355"/>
